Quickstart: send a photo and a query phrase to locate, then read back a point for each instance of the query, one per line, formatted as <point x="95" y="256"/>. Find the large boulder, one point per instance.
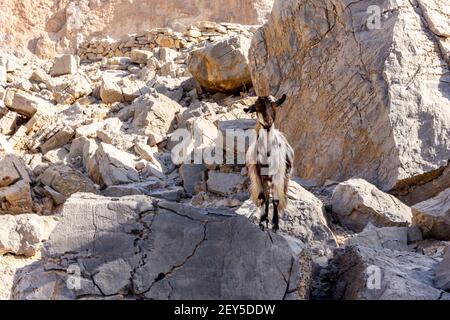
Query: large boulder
<point x="364" y="100"/>
<point x="357" y="202"/>
<point x="222" y="65"/>
<point x="145" y="249"/>
<point x="364" y="273"/>
<point x="433" y="216"/>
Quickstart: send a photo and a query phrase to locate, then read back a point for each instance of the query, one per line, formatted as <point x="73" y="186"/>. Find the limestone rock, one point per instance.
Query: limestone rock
<point x="8" y="122"/>
<point x="21" y="234"/>
<point x="412" y="194"/>
<point x="304" y="217"/>
<point x="142" y="248"/>
<point x="147" y="187"/>
<point x="363" y="101"/>
<point x="225" y="183"/>
<point x="71" y="89"/>
<point x="154" y="166"/>
<point x="16" y="198"/>
<point x="115" y="89"/>
<point x="140" y="56"/>
<point x="154" y="115"/>
<point x="66" y="64"/>
<point x="443" y="272"/>
<point x="27" y="104"/>
<point x="402" y="275"/>
<point x="110" y="91"/>
<point x="433" y="216"/>
<point x="90" y="130"/>
<point x="115" y="166"/>
<point x="192" y="175"/>
<point x="58" y="140"/>
<point x="357" y="203"/>
<point x="223" y="65"/>
<point x="393" y="238"/>
<point x="66" y="181"/>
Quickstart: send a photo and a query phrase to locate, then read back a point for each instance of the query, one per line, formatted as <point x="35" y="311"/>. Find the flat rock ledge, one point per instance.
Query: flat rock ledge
<point x="138" y="247"/>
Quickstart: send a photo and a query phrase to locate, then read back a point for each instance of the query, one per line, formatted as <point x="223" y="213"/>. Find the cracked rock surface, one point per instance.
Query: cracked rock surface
<point x="369" y="103"/>
<point x="143" y="248"/>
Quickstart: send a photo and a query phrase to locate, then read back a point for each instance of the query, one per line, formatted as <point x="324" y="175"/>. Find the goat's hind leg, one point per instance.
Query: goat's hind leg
<point x="277" y="205"/>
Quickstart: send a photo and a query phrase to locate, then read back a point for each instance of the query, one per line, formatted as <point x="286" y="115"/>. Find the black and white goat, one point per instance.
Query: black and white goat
<point x="269" y="161"/>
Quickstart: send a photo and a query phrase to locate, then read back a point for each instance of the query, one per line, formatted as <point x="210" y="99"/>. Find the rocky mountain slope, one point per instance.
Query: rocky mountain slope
<point x="96" y="204"/>
<point x="47" y="27"/>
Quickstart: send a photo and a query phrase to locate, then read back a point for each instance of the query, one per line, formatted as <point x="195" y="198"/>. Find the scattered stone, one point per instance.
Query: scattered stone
<point x="72" y="89"/>
<point x="66" y="181"/>
<point x="140" y="56"/>
<point x="21" y="234"/>
<point x="27" y="104"/>
<point x="9" y="174"/>
<point x="66" y="64"/>
<point x="223" y="183"/>
<point x="90" y="130"/>
<point x="58" y="140"/>
<point x="115" y="166"/>
<point x="8" y="122"/>
<point x="192" y="175"/>
<point x="16" y="198"/>
<point x="154" y="115"/>
<point x="110" y="91"/>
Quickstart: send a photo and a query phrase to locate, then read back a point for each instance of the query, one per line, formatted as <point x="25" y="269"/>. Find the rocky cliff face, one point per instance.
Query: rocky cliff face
<point x="44" y="26"/>
<point x="364" y="100"/>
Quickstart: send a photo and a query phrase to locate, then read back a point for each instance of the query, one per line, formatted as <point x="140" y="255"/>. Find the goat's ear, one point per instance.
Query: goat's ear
<point x="252" y="109"/>
<point x="281" y="100"/>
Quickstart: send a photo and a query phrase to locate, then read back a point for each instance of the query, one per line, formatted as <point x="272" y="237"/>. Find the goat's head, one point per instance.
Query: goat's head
<point x="265" y="108"/>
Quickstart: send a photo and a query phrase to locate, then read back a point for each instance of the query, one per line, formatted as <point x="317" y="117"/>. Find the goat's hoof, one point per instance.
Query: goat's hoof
<point x="261" y="226"/>
<point x="275" y="228"/>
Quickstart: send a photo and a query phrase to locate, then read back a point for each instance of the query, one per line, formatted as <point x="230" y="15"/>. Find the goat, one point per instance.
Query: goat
<point x="269" y="161"/>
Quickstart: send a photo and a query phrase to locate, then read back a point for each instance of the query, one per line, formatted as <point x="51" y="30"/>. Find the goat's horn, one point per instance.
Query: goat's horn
<point x="281" y="100"/>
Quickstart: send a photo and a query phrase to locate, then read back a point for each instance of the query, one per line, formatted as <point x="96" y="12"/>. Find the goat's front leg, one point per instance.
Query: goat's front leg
<point x="275" y="219"/>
